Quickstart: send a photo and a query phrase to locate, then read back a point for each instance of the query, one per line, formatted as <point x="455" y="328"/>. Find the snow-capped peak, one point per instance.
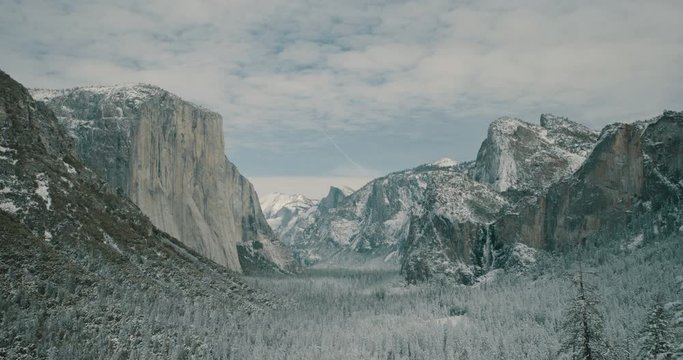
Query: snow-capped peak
<point x="515" y="151"/>
<point x="272" y="203"/>
<point x="506" y="125"/>
<point x="444" y="162"/>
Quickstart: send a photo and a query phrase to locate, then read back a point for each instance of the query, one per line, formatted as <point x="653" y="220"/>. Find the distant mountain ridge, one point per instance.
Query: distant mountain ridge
<point x="529" y="188"/>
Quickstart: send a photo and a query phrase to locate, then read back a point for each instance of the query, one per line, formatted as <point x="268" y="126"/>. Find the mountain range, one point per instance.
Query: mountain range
<point x="531" y="187"/>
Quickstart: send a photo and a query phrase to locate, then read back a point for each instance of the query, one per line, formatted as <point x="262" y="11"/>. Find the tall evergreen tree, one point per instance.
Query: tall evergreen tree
<point x="583" y="324"/>
<point x="678" y="323"/>
<point x="656" y="337"/>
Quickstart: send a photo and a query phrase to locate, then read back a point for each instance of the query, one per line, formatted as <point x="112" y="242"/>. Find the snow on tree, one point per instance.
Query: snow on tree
<point x="677" y="322"/>
<point x="582" y="327"/>
<point x="656" y="337"/>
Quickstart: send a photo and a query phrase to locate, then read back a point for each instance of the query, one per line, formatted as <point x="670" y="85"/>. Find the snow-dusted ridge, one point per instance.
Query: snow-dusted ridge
<point x="130" y="91"/>
<point x="272" y="203"/>
<point x="444" y="162"/>
<point x="517" y="155"/>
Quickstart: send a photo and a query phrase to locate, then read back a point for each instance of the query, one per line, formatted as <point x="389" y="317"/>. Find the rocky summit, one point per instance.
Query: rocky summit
<point x="167" y="156"/>
<point x="519" y="156"/>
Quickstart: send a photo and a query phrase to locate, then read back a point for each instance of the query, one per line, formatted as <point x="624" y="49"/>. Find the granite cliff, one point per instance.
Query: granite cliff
<point x="167" y="155"/>
<point x="633" y="169"/>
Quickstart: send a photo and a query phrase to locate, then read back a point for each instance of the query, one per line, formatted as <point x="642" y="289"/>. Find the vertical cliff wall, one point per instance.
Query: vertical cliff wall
<point x="167" y="155"/>
<point x="632" y="169"/>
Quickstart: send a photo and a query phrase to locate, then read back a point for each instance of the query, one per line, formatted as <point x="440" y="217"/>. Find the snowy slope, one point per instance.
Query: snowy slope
<point x="285" y="213"/>
<point x="520" y="156"/>
<point x="375" y="220"/>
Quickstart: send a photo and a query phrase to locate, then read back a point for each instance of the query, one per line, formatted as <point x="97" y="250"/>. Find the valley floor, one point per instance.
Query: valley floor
<point x="364" y="313"/>
<point x="371" y="314"/>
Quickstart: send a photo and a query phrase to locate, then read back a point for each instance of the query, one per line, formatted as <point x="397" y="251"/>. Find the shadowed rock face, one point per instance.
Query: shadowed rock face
<point x="166" y="154"/>
<point x="633" y="167"/>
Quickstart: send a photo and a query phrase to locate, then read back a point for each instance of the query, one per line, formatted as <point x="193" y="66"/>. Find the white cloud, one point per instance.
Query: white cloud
<point x="273" y="66"/>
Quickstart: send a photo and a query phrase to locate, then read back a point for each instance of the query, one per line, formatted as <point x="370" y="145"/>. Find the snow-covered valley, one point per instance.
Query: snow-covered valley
<point x="370" y="313"/>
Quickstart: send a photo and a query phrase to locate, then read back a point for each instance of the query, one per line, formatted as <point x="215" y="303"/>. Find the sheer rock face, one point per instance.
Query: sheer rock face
<point x="166" y="154"/>
<point x="518" y="156"/>
<point x="633" y="168"/>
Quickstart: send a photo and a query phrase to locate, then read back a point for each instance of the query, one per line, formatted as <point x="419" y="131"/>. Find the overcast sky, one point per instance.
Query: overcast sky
<point x="315" y="93"/>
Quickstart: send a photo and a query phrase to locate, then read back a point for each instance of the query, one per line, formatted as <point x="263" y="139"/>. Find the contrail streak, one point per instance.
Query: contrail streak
<point x="341" y="151"/>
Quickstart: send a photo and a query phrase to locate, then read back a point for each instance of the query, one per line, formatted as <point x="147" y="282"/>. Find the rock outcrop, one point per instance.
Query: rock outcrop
<point x="68" y="242"/>
<point x="167" y="155"/>
<point x="519" y="156"/>
<point x="531" y="187"/>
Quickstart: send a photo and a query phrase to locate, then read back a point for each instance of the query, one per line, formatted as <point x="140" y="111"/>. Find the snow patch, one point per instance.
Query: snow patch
<point x="343" y="230"/>
<point x="11" y="161"/>
<point x="391" y="256"/>
<point x="8" y="206"/>
<point x="524" y="255"/>
<point x="6" y="150"/>
<point x="636" y="242"/>
<point x="450" y="320"/>
<point x="445" y="162"/>
<point x="43" y="189"/>
<point x="488" y="277"/>
<point x="70" y="169"/>
<point x="110" y="241"/>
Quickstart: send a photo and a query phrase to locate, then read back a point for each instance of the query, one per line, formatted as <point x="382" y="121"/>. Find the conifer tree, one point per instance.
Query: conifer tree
<point x="583" y="324"/>
<point x="677" y="322"/>
<point x="656" y="336"/>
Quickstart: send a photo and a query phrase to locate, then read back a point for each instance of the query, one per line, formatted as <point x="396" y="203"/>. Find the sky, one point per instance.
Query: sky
<point x="320" y="93"/>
